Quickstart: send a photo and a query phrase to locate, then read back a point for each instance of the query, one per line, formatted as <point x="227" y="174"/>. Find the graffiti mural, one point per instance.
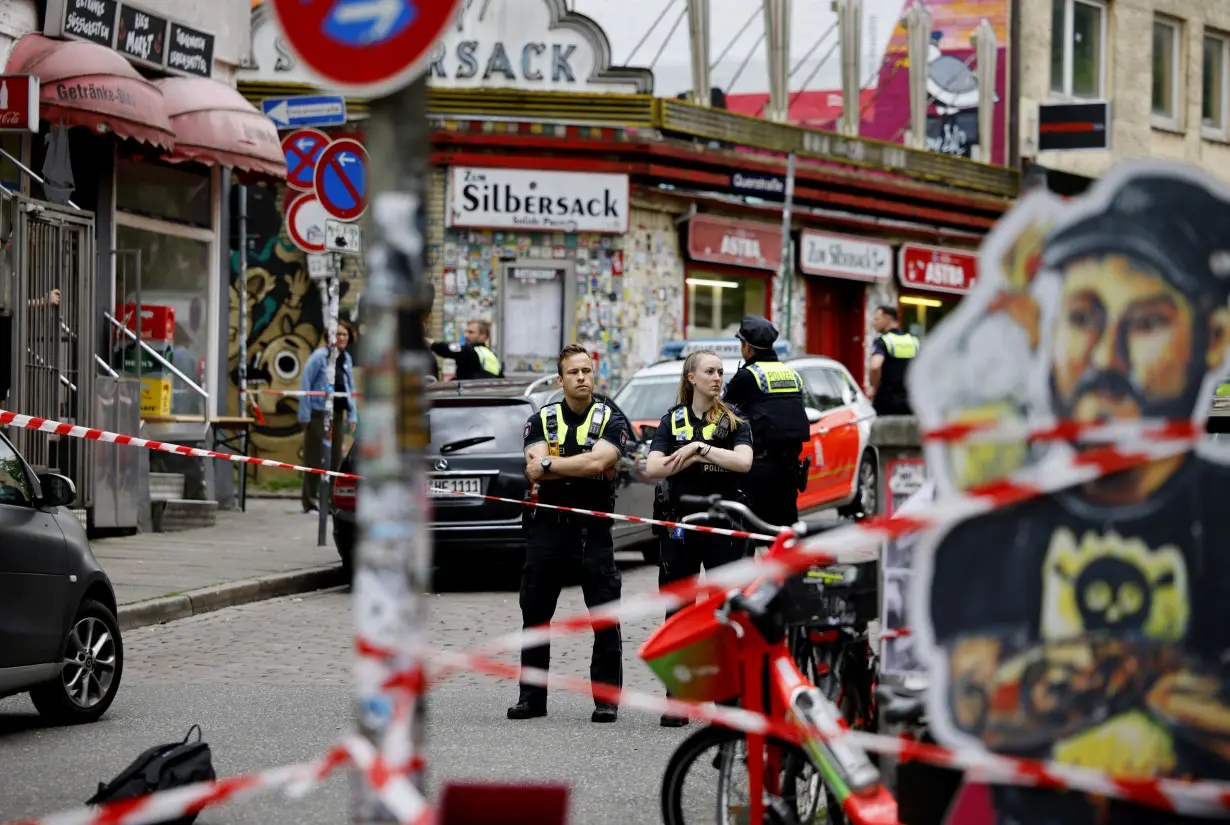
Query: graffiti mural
<point x="285" y="322"/>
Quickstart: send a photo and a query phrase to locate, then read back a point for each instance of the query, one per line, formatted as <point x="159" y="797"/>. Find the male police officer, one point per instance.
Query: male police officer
<point x="571" y="449"/>
<point x="474" y="358"/>
<point x="770" y="394"/>
<point x="890" y="357"/>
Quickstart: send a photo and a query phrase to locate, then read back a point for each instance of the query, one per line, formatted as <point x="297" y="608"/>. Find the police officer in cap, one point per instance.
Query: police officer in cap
<point x="571" y="450"/>
<point x="891" y="356"/>
<point x="701" y="447"/>
<point x="770" y="394"/>
<point x="475" y="358"/>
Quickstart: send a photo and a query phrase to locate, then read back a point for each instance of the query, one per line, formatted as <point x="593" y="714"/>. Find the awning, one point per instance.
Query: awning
<point x="87" y="85"/>
<point x="214" y="125"/>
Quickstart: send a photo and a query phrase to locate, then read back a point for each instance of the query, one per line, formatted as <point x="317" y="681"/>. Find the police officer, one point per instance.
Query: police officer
<point x="571" y="450"/>
<point x="891" y="355"/>
<point x="475" y="358"/>
<point x="770" y="394"/>
<point x="701" y="447"/>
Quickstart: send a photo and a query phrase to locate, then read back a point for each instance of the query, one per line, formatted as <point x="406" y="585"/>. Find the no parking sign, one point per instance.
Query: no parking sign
<point x="302" y="149"/>
<point x="341" y="179"/>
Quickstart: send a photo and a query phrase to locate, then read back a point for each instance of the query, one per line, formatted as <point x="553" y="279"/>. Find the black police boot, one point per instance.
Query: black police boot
<point x="670" y="721"/>
<point x="526" y="709"/>
<point x="604" y="712"/>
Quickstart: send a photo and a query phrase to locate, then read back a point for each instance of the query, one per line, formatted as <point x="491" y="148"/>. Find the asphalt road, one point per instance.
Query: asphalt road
<point x="270" y="685"/>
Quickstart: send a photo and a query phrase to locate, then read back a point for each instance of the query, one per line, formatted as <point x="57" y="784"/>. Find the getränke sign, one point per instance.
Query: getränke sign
<point x="530" y="45"/>
<point x="538" y="201"/>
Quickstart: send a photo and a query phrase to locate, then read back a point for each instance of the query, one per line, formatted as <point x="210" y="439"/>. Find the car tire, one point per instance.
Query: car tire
<point x="344" y="539"/>
<point x="94" y="656"/>
<point x="866" y="490"/>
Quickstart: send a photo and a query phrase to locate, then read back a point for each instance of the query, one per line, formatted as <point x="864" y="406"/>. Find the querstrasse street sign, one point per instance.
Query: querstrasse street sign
<point x="370" y="46"/>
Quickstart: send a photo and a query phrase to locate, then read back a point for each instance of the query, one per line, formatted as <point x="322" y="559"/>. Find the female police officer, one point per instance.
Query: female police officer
<point x="701" y="447"/>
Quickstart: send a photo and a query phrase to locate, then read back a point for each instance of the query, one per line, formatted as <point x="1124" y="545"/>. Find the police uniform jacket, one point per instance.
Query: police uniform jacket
<point x="898" y="349"/>
<point x="568" y="434"/>
<point x="473" y="360"/>
<point x="680" y="427"/>
<point x="771" y="395"/>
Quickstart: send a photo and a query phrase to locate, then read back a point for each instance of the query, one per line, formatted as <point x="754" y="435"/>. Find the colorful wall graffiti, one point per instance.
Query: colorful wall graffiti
<point x="285" y="321"/>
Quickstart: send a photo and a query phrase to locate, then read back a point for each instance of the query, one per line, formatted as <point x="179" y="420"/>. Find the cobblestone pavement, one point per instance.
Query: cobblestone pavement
<point x="270" y="684"/>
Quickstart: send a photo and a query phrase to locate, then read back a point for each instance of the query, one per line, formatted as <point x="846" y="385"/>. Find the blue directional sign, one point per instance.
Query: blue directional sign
<point x="341" y="179"/>
<point x="305" y="110"/>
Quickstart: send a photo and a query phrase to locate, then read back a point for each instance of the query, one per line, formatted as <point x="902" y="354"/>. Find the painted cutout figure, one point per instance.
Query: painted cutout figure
<point x="1090" y="627"/>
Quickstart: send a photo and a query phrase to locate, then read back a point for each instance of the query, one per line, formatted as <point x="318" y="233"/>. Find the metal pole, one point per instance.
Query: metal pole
<point x="394" y="557"/>
<point x="242" y="295"/>
<point x="786" y="272"/>
<point x="329" y="301"/>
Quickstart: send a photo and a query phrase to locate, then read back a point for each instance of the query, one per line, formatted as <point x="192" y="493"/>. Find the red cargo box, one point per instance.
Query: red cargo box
<point x="157" y="322"/>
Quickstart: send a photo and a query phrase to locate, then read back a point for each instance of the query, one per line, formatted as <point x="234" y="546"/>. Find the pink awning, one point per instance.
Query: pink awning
<point x="90" y="86"/>
<point x="214" y="125"/>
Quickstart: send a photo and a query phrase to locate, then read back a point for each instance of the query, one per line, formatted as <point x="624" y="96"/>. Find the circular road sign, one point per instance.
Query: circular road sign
<point x="305" y="221"/>
<point x="302" y="149"/>
<point x="370" y="46"/>
<point x="341" y="179"/>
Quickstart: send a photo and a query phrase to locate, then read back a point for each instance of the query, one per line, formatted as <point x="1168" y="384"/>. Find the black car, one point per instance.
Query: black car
<point x="59" y="636"/>
<point x="477" y="436"/>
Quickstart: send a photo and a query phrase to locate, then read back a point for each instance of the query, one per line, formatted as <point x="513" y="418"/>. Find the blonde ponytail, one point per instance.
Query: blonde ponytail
<point x="687" y="391"/>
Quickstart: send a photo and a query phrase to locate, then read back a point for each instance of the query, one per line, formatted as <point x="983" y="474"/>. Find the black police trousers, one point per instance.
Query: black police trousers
<point x="772" y="489"/>
<point x="682" y="558"/>
<point x="559" y="545"/>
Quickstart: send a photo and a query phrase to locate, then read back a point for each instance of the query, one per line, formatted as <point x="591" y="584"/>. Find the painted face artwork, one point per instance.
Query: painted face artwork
<point x="1087" y="626"/>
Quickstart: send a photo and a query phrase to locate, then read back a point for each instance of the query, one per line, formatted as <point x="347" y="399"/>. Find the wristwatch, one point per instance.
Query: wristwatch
<point x="545" y="464"/>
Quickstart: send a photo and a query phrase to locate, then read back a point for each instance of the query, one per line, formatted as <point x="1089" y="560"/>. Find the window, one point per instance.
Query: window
<point x="1215" y="81"/>
<point x="1166" y="74"/>
<point x="1078" y="48"/>
<point x="162" y="190"/>
<point x="825" y="388"/>
<point x="14" y="484"/>
<point x="717" y="303"/>
<point x="468" y="429"/>
<point x="648" y="399"/>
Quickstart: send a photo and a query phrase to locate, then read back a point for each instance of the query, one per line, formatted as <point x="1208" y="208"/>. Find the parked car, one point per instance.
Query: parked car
<point x="477" y="447"/>
<point x="843" y="464"/>
<point x="59" y="636"/>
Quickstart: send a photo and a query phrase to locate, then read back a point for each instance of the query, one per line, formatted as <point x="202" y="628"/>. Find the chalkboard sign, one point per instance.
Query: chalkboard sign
<point x="190" y="51"/>
<point x="91" y="20"/>
<point x="141" y="36"/>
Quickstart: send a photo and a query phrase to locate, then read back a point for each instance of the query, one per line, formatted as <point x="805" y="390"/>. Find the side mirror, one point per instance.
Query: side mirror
<point x="814" y="415"/>
<point x="58" y="490"/>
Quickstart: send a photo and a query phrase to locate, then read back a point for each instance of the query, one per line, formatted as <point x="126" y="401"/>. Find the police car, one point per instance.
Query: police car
<point x="843" y="464"/>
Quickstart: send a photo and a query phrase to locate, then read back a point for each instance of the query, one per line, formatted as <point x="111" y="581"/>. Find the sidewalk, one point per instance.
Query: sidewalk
<point x="268" y="551"/>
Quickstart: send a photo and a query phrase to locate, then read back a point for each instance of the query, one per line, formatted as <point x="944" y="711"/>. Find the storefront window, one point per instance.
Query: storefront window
<point x="920" y="315"/>
<point x="174" y="272"/>
<point x="165" y="191"/>
<point x="717" y="303"/>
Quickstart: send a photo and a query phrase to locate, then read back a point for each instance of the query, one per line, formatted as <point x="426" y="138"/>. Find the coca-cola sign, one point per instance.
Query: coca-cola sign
<point x="937" y="269"/>
<point x="19" y="103"/>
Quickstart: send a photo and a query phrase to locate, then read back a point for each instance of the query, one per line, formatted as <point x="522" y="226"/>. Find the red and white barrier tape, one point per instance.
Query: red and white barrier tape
<point x="30" y="422"/>
<point x="304" y="393"/>
<point x="1119" y="432"/>
<point x="1182" y="796"/>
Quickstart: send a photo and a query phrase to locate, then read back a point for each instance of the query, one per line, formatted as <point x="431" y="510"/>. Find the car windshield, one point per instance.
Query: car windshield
<point x="478" y="426"/>
<point x="648" y="399"/>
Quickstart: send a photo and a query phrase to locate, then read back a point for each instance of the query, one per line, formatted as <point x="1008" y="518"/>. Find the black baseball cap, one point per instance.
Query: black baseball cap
<point x="757" y="332"/>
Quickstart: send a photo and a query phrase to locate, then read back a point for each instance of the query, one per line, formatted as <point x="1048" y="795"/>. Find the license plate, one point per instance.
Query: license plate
<point x="449" y="486"/>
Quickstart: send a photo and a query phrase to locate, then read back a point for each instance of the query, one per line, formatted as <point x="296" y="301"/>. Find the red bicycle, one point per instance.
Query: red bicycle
<point x="733" y="646"/>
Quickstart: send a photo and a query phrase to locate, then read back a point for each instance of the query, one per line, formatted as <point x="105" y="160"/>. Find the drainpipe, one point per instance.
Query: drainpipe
<point x="850" y="28"/>
<point x="918" y="23"/>
<point x="698" y="38"/>
<point x="986" y="47"/>
<point x="777" y="45"/>
<point x="1013" y="86"/>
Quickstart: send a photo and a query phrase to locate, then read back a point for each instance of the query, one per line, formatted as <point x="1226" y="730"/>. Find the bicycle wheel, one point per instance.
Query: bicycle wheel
<point x="706" y="783"/>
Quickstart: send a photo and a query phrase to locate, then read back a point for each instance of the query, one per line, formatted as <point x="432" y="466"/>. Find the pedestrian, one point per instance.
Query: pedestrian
<point x="701" y="447"/>
<point x="475" y="358"/>
<point x="316" y="379"/>
<point x="571" y="449"/>
<point x="891" y="355"/>
<point x="770" y="394"/>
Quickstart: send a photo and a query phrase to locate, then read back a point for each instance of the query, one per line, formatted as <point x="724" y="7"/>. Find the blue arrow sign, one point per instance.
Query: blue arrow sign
<point x="341" y="179"/>
<point x="365" y="22"/>
<point x="305" y="110"/>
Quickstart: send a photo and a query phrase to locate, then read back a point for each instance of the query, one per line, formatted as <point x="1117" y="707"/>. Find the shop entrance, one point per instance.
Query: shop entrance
<point x="718" y="297"/>
<point x="921" y="313"/>
<point x="836" y="321"/>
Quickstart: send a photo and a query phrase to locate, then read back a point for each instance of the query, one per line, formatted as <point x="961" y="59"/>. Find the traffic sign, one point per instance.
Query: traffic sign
<point x="341" y="179"/>
<point x="302" y="149"/>
<point x="373" y="46"/>
<point x="305" y="221"/>
<point x="320" y="267"/>
<point x="343" y="237"/>
<point x="305" y="110"/>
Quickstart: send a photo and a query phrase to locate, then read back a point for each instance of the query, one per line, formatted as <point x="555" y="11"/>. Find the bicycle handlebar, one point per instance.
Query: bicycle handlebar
<point x="716" y="508"/>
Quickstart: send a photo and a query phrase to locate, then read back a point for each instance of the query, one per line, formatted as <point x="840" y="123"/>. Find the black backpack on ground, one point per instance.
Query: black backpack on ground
<point x="161" y="768"/>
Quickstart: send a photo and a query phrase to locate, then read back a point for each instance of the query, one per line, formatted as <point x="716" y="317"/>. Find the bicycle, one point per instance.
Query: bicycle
<point x="733" y="646"/>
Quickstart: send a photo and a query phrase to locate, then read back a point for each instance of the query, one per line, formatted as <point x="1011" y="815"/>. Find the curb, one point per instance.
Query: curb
<point x="208" y="599"/>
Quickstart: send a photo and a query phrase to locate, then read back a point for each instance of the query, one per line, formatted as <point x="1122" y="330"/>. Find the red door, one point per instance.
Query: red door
<point x="836" y="321"/>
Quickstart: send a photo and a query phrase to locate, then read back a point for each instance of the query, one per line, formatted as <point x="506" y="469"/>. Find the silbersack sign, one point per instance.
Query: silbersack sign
<point x="845" y="256"/>
<point x="538" y="201"/>
<point x="528" y="45"/>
